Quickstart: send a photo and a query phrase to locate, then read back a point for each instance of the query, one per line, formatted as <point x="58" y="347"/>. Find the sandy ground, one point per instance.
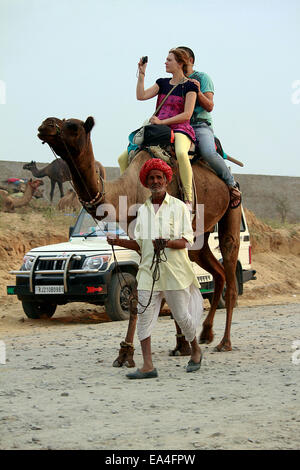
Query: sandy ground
<point x="59" y="390"/>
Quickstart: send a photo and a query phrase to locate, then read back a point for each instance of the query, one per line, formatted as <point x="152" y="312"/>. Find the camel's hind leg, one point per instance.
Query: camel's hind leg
<point x="229" y="239"/>
<point x="207" y="261"/>
<point x="61" y="188"/>
<point x="182" y="347"/>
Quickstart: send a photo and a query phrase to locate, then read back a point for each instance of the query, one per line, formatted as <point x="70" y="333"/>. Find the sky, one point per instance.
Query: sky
<point x="75" y="58"/>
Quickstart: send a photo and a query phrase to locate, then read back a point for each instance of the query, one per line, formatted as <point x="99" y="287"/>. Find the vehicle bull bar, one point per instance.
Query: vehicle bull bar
<point x="65" y="271"/>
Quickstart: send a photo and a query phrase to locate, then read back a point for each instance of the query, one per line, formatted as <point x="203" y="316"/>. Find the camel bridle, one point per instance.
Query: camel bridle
<point x="93" y="203"/>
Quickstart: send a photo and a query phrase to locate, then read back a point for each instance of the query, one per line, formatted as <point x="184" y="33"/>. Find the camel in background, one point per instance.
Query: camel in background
<point x="69" y="202"/>
<point x="57" y="171"/>
<point x="10" y="203"/>
<point x="211" y="191"/>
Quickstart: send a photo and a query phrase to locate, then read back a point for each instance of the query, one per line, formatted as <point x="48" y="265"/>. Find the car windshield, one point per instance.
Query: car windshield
<point x="86" y="226"/>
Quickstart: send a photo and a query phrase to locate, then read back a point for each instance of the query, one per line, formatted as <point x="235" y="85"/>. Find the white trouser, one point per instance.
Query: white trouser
<point x="186" y="306"/>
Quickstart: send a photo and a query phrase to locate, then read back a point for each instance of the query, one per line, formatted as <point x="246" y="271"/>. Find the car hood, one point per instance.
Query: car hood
<point x="76" y="245"/>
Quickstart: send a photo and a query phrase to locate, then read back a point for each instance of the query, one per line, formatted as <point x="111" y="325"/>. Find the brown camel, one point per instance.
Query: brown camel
<point x="69" y="202"/>
<point x="10" y="203"/>
<point x="211" y="191"/>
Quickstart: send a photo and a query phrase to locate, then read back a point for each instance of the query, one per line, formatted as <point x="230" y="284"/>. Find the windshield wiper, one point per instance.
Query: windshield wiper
<point x="94" y="234"/>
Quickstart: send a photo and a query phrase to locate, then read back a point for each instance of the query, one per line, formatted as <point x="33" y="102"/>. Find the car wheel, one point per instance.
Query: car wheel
<point x="120" y="288"/>
<point x="37" y="310"/>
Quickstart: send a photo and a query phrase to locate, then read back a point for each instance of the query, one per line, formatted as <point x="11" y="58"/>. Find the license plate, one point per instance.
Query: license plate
<point x="49" y="289"/>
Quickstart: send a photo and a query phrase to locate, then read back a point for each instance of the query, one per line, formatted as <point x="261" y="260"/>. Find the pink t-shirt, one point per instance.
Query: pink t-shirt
<point x="174" y="104"/>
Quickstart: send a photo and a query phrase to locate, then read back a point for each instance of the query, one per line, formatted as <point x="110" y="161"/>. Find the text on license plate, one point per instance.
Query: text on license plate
<point x="49" y="289"/>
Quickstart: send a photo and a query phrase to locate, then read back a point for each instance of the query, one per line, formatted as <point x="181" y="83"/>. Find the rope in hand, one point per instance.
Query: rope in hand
<point x="159" y="256"/>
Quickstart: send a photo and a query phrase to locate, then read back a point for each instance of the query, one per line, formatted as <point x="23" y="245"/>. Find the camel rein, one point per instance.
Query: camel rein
<point x="159" y="256"/>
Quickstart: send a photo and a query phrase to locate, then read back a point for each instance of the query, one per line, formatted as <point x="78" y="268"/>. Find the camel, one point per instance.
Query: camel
<point x="10" y="203"/>
<point x="69" y="202"/>
<point x="211" y="191"/>
<point x="57" y="171"/>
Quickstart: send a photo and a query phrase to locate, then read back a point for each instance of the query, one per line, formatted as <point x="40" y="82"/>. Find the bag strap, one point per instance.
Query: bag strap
<point x="167" y="96"/>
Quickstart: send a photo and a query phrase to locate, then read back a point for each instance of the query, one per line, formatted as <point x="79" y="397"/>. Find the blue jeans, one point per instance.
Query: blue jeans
<point x="206" y="143"/>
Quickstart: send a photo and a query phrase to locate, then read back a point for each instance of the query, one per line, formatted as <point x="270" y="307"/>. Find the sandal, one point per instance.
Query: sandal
<point x="193" y="366"/>
<point x="235" y="197"/>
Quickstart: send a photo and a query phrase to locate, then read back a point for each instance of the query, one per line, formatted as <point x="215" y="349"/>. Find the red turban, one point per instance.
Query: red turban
<point x="155" y="164"/>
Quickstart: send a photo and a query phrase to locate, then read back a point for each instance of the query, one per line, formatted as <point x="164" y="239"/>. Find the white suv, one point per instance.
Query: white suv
<point x="84" y="270"/>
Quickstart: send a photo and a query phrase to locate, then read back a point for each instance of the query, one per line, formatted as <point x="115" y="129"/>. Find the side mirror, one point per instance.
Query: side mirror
<point x="71" y="230"/>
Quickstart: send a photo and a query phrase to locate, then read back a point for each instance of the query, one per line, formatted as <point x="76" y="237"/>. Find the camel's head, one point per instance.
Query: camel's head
<point x="50" y="129"/>
<point x="29" y="166"/>
<point x="75" y="133"/>
<point x="35" y="184"/>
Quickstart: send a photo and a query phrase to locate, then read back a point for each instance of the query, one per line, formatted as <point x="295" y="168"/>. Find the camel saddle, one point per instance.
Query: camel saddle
<point x="167" y="154"/>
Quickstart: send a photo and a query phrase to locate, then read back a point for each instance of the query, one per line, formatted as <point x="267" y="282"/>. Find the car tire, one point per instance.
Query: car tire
<point x="36" y="310"/>
<point x="119" y="289"/>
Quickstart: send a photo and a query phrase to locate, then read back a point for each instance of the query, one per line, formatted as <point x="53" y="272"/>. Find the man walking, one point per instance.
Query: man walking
<point x="163" y="221"/>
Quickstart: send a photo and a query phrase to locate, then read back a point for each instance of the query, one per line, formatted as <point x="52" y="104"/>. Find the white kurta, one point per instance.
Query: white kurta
<point x="177" y="283"/>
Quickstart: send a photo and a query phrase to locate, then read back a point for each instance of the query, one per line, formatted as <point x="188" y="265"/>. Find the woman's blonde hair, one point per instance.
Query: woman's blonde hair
<point x="181" y="57"/>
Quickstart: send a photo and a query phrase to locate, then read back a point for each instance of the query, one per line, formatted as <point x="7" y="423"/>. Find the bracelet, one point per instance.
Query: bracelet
<point x="141" y="73"/>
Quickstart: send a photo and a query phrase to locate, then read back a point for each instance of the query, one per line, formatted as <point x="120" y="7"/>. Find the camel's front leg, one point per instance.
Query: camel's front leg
<point x="207" y="261"/>
<point x="53" y="183"/>
<point x="207" y="334"/>
<point x="230" y="301"/>
<point x="126" y="350"/>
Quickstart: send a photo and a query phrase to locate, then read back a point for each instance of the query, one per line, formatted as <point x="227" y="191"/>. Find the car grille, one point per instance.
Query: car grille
<point x="59" y="264"/>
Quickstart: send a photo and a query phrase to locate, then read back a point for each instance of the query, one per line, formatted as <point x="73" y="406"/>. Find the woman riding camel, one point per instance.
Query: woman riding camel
<point x="175" y="112"/>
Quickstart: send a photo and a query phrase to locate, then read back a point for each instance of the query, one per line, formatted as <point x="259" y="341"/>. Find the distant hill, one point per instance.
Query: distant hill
<point x="269" y="197"/>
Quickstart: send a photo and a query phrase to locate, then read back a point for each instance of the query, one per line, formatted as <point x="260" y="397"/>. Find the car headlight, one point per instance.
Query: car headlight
<point x="95" y="262"/>
<point x="28" y="260"/>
